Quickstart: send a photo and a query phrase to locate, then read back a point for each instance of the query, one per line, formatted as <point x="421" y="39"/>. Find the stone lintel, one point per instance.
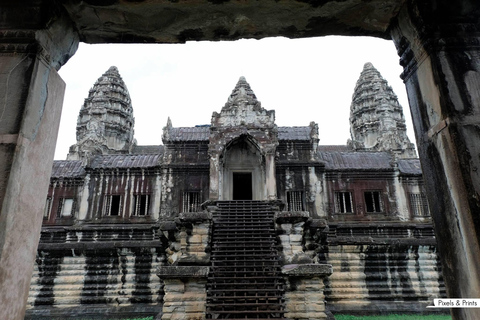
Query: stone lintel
<point x="307" y="270"/>
<point x="173" y="272"/>
<point x="291" y="216"/>
<point x="181" y="21"/>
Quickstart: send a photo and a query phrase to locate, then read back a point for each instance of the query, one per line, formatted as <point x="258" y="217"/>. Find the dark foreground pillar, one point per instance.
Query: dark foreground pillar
<point x="31" y="97"/>
<point x="439" y="47"/>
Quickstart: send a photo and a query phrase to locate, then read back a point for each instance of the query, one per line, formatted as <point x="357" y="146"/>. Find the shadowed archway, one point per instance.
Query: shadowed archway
<point x="243" y="170"/>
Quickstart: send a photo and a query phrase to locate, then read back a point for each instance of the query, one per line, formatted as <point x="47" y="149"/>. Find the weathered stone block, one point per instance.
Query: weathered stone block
<point x="173" y="285"/>
<point x="296" y="238"/>
<point x="197" y="249"/>
<point x="174" y="298"/>
<point x="287" y="227"/>
<point x="284" y="238"/>
<point x="297" y="250"/>
<point x="195" y="239"/>
<point x="196" y="307"/>
<point x="305" y="315"/>
<point x="202" y="229"/>
<point x="298" y="227"/>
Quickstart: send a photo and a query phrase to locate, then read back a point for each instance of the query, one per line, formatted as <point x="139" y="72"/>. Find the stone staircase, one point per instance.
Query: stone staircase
<point x="245" y="280"/>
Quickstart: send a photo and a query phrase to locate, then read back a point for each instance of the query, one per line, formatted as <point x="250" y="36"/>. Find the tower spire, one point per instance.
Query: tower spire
<point x="242" y="95"/>
<point x="243" y="109"/>
<point x="376" y="116"/>
<point x="105" y="122"/>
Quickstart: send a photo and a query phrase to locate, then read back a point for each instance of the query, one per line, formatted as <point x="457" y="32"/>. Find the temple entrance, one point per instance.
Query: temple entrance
<point x="242" y="186"/>
<point x="243" y="176"/>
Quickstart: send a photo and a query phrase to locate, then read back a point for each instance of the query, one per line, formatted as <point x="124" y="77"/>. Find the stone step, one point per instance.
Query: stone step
<point x="237" y="256"/>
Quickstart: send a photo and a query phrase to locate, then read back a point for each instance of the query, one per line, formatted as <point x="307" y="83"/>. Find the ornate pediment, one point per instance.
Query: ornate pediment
<point x="243" y="109"/>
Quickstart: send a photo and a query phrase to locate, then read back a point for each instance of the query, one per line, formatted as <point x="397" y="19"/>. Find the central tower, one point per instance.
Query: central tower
<point x="242" y="145"/>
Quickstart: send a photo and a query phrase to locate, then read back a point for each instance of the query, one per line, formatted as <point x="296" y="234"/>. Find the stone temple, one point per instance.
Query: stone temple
<point x="239" y="219"/>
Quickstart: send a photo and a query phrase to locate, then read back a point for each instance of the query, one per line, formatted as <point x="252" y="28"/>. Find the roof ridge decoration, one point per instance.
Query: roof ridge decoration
<point x="166" y="131"/>
<point x="376" y="117"/>
<point x="242" y="94"/>
<point x="105" y="122"/>
<point x="243" y="109"/>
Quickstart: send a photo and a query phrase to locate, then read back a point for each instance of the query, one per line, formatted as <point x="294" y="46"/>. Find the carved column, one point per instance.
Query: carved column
<point x="215" y="172"/>
<point x="439" y="46"/>
<point x="31" y="96"/>
<point x="271" y="181"/>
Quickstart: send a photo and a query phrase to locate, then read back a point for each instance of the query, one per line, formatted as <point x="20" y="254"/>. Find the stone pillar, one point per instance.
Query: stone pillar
<point x="304" y="297"/>
<point x="271" y="181"/>
<point x="31" y="97"/>
<point x="214" y="185"/>
<point x="157" y="195"/>
<point x="83" y="207"/>
<point x="185" y="292"/>
<point x="440" y="53"/>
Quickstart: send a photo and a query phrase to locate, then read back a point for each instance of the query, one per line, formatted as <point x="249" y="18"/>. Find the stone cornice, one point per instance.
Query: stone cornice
<point x="416" y="37"/>
<point x="17" y="41"/>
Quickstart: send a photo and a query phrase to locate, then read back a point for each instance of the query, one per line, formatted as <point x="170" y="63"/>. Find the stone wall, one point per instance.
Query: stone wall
<point x="105" y="270"/>
<point x="383" y="278"/>
<point x="377" y="267"/>
<point x="304" y="296"/>
<point x="380" y="268"/>
<point x="185" y="292"/>
<point x="101" y="272"/>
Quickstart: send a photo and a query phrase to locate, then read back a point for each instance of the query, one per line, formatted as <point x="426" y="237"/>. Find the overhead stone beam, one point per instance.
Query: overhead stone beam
<point x="179" y="21"/>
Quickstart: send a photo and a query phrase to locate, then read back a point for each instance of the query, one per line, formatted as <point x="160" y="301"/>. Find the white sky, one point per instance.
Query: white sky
<point x="303" y="80"/>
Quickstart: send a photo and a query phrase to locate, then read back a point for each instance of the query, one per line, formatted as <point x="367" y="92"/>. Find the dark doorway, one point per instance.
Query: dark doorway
<point x="242" y="186"/>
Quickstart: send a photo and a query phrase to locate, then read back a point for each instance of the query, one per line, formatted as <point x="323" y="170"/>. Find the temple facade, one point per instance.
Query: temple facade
<point x="169" y="229"/>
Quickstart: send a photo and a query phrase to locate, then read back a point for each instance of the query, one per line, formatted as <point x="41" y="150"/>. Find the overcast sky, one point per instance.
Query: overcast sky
<point x="303" y="80"/>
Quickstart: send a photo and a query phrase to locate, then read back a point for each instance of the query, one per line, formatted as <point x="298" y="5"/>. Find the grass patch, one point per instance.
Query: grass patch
<point x="395" y="317"/>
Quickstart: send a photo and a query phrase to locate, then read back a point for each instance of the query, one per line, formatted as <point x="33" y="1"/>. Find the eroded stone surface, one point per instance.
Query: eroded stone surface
<point x="105" y="124"/>
<point x="438" y="68"/>
<point x="182" y="271"/>
<point x="304" y="298"/>
<point x="180" y="21"/>
<point x="243" y="137"/>
<point x="376" y="117"/>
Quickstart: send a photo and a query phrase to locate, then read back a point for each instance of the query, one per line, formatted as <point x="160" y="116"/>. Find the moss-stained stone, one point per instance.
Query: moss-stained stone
<point x="185" y="292"/>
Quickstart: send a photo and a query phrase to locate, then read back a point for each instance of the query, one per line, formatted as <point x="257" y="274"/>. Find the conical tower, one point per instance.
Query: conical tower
<point x="105" y="123"/>
<point x="376" y="117"/>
